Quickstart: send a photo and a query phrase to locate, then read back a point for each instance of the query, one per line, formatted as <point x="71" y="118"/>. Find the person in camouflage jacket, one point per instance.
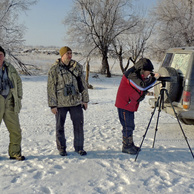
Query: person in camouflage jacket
<point x="65" y="95"/>
<point x="10" y="104"/>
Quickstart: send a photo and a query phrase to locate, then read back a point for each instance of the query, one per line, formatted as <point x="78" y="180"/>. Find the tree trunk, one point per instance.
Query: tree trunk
<point x="87" y="71"/>
<point x="103" y="69"/>
<point x="108" y="69"/>
<point x="120" y="56"/>
<point x="121" y="63"/>
<point x="105" y="66"/>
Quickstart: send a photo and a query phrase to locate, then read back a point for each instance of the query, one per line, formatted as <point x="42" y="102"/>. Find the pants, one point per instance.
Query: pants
<point x="76" y="115"/>
<point x="127" y="121"/>
<point x="11" y="121"/>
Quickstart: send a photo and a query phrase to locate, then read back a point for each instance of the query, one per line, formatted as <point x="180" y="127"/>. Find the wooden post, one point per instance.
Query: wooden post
<point x="88" y="73"/>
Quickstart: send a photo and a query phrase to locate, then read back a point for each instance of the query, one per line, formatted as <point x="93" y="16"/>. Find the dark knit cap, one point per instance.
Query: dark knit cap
<point x="144" y="64"/>
<point x="2" y="50"/>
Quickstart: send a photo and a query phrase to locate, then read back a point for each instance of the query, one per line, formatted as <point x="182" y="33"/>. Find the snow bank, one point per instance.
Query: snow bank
<point x="166" y="168"/>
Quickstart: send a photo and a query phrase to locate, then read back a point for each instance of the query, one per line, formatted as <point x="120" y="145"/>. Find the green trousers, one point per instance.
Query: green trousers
<point x="11" y="121"/>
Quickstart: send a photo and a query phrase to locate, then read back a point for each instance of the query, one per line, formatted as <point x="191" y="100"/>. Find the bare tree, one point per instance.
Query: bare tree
<point x="96" y="24"/>
<point x="11" y="33"/>
<point x="133" y="44"/>
<point x="174" y="19"/>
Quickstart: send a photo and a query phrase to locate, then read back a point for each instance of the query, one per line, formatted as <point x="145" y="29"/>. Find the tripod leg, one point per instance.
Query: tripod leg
<point x="159" y="110"/>
<point x="148" y="126"/>
<point x="179" y="123"/>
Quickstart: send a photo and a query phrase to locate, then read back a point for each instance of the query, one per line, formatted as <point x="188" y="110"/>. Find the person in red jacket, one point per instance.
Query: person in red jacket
<point x="133" y="88"/>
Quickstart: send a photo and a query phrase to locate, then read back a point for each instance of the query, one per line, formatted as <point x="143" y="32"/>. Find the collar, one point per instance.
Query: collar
<point x="72" y="64"/>
<point x="3" y="66"/>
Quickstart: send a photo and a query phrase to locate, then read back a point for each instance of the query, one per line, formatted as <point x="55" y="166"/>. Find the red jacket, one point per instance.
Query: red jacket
<point x="127" y="96"/>
<point x="131" y="88"/>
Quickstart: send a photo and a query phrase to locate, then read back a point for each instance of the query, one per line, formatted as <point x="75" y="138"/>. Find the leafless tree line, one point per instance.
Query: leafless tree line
<point x="110" y="28"/>
<point x="174" y="21"/>
<point x="105" y="26"/>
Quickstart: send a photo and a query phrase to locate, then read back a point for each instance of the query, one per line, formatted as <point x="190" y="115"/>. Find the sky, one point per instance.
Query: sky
<point x="44" y="21"/>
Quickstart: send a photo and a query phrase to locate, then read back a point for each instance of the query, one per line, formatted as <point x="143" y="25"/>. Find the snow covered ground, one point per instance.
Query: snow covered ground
<point x="166" y="168"/>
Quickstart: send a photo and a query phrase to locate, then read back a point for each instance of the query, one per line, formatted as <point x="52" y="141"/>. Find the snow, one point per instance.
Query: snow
<point x="166" y="168"/>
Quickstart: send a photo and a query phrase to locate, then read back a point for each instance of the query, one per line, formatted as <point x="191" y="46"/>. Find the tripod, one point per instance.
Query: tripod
<point x="160" y="102"/>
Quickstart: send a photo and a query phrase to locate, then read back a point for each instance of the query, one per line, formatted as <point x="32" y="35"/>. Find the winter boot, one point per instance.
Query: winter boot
<point x="129" y="147"/>
<point x="82" y="152"/>
<point x="19" y="158"/>
<point x="63" y="153"/>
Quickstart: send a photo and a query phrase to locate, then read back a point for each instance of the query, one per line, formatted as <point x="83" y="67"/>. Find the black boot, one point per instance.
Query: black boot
<point x="129" y="147"/>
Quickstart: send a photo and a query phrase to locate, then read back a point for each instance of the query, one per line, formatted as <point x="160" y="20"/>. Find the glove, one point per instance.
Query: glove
<point x="142" y="96"/>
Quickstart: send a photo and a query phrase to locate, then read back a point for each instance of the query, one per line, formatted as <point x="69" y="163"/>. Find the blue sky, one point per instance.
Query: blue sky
<point x="44" y="21"/>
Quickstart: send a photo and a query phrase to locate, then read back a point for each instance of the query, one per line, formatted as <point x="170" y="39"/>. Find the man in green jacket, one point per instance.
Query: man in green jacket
<point x="67" y="92"/>
<point x="10" y="104"/>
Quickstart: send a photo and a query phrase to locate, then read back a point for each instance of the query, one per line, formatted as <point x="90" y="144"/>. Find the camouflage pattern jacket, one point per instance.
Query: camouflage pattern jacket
<point x="16" y="90"/>
<point x="62" y="86"/>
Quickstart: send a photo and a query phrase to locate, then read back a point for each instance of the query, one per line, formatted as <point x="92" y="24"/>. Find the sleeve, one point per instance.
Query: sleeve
<point x="140" y="84"/>
<point x="19" y="86"/>
<point x="51" y="89"/>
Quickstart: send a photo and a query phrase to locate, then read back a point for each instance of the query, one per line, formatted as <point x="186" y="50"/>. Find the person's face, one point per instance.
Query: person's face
<point x="146" y="73"/>
<point x="67" y="57"/>
<point x="2" y="57"/>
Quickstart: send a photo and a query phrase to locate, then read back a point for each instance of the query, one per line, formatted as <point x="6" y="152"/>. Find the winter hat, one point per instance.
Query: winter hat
<point x="144" y="64"/>
<point x="63" y="50"/>
<point x="2" y="50"/>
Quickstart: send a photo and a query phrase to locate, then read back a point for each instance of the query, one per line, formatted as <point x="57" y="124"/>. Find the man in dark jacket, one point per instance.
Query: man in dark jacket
<point x="10" y="104"/>
<point x="133" y="87"/>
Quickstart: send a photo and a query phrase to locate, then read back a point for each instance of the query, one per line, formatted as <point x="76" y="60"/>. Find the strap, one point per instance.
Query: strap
<point x="78" y="78"/>
<point x="61" y="74"/>
<point x="65" y="67"/>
